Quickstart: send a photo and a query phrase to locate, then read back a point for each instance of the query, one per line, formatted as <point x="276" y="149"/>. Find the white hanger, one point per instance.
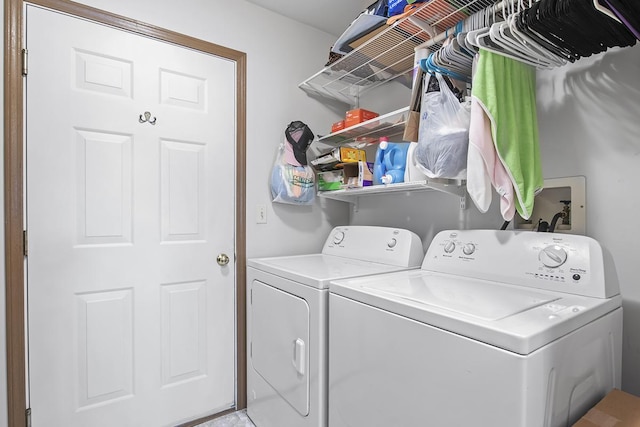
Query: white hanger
<point x="518" y="51"/>
<point x="504" y="36"/>
<point x="506" y="41"/>
<point x="474" y="35"/>
<point x="605" y="10"/>
<point x="482" y="39"/>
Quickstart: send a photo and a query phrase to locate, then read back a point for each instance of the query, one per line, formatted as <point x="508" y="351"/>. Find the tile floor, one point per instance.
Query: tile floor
<point x="237" y="419"/>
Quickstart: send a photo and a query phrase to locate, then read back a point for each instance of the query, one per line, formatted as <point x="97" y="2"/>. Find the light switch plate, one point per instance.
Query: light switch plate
<point x="261" y="214"/>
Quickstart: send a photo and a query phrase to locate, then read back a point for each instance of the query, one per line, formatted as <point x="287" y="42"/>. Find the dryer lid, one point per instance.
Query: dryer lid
<point x="317" y="270"/>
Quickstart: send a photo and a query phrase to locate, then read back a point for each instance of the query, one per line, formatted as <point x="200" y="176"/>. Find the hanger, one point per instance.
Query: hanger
<point x="498" y="38"/>
<point x="462" y="41"/>
<point x="503" y="36"/>
<point x="430" y="67"/>
<point x="605" y="10"/>
<point x="451" y="59"/>
<point x="518" y="51"/>
<point x="532" y="45"/>
<point x="523" y="31"/>
<point x="482" y="39"/>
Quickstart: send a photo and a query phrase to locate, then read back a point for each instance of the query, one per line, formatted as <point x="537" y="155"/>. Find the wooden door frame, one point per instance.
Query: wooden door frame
<point x="14" y="191"/>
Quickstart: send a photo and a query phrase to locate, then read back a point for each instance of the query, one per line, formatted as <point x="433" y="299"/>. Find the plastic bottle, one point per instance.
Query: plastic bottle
<point x="390" y="162"/>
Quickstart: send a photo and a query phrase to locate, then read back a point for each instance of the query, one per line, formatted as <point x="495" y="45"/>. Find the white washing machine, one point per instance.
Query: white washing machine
<point x="287" y="319"/>
<point x="497" y="329"/>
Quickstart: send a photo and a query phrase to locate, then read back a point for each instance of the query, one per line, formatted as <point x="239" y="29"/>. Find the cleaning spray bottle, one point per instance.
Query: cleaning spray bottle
<point x="390" y="162"/>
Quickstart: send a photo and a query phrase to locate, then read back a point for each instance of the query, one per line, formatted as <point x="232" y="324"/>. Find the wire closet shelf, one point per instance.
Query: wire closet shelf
<point x="389" y="54"/>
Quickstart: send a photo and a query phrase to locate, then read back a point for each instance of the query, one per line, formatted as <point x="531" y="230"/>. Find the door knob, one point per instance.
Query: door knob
<point x="223" y="259"/>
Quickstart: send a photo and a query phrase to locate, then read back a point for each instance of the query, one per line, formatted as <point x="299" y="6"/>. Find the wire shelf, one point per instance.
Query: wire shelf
<point x="389" y="125"/>
<point x="380" y="57"/>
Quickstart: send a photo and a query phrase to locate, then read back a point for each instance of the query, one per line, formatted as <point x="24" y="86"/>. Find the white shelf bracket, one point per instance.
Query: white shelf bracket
<point x="423" y="26"/>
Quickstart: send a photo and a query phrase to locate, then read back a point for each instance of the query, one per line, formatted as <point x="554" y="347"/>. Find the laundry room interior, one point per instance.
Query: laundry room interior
<point x="588" y="122"/>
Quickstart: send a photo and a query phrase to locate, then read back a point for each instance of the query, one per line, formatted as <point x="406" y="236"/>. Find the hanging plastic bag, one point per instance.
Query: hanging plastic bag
<point x="443" y="136"/>
<point x="294" y="185"/>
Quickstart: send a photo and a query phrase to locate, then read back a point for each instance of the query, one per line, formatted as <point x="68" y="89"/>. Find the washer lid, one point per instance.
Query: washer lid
<point x="317" y="270"/>
<point x="463" y="296"/>
<point x="511" y="317"/>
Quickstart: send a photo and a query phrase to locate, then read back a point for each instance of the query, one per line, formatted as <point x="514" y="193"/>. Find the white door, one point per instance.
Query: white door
<point x="131" y="319"/>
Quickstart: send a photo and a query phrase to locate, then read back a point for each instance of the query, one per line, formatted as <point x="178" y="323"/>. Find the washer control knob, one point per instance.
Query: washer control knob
<point x="338" y="237"/>
<point x="449" y="247"/>
<point x="392" y="243"/>
<point x="552" y="256"/>
<point x="469" y="248"/>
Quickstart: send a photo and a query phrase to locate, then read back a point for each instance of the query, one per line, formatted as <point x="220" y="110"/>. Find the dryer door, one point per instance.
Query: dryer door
<point x="280" y="343"/>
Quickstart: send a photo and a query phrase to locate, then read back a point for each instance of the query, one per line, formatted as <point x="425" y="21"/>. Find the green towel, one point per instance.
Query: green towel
<point x="506" y="90"/>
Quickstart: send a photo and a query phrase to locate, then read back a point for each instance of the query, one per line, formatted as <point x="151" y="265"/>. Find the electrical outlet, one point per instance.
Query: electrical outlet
<point x="261" y="214"/>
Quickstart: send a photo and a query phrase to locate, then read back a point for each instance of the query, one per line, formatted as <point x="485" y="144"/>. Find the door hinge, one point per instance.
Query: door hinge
<point x="25" y="62"/>
<point x="27" y="415"/>
<point x="25" y="243"/>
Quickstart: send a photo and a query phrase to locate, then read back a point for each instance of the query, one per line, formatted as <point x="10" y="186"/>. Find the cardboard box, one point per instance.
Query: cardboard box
<point x="329" y="181"/>
<point x="337" y="126"/>
<point x="359" y="115"/>
<point x="617" y="409"/>
<point x="352" y="155"/>
<point x="336" y="157"/>
<point x="358" y="174"/>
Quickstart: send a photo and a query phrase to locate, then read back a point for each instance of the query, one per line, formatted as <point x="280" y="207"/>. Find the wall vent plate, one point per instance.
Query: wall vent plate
<point x="549" y="202"/>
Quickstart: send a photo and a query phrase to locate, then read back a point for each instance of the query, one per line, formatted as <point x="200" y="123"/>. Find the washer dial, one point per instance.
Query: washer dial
<point x="449" y="247"/>
<point x="552" y="256"/>
<point x="469" y="248"/>
<point x="338" y="237"/>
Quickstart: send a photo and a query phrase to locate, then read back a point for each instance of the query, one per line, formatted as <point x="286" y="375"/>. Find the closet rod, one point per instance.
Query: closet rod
<point x="443" y="35"/>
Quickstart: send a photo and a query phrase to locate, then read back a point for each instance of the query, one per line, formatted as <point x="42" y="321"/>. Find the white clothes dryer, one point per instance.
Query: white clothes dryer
<point x="287" y="319"/>
<point x="497" y="329"/>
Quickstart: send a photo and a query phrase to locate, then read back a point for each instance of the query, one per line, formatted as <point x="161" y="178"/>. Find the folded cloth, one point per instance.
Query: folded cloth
<point x="506" y="90"/>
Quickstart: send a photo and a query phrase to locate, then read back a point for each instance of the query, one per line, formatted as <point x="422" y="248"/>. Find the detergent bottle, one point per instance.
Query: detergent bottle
<point x="390" y="162"/>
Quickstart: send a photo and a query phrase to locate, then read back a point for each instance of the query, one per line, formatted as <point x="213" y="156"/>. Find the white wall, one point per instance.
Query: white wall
<point x="589" y="117"/>
<point x="589" y="122"/>
<point x="280" y="54"/>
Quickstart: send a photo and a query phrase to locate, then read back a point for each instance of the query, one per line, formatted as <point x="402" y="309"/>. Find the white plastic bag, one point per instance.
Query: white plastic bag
<point x="294" y="185"/>
<point x="443" y="136"/>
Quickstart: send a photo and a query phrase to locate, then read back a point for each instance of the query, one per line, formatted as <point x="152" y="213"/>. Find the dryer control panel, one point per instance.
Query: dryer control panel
<point x="559" y="262"/>
<point x="385" y="245"/>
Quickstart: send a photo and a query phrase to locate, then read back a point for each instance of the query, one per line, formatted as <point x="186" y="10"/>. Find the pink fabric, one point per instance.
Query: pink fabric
<point x="289" y="157"/>
<point x="484" y="168"/>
